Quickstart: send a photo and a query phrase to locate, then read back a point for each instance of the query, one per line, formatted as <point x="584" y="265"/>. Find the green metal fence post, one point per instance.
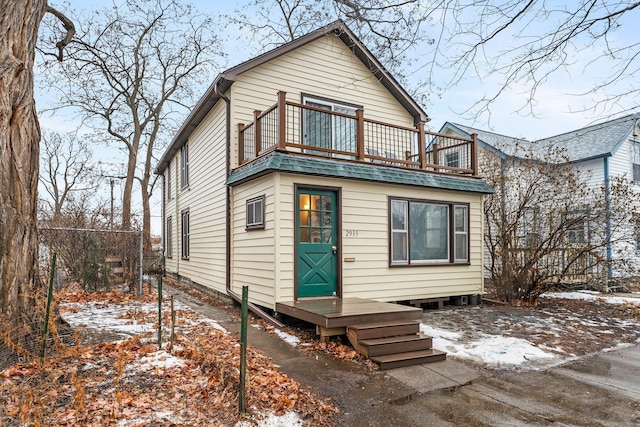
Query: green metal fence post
<point x="243" y="347"/>
<point x="160" y="313"/>
<point x="49" y="298"/>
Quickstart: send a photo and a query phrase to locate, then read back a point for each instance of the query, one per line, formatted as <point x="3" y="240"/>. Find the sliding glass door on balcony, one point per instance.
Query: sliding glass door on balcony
<point x="329" y="131"/>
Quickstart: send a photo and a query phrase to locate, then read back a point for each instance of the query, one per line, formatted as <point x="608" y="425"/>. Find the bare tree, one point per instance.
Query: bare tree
<point x="516" y="44"/>
<point x="131" y="69"/>
<point x="65" y="169"/>
<point x="545" y="226"/>
<point x="527" y="44"/>
<point x="19" y="154"/>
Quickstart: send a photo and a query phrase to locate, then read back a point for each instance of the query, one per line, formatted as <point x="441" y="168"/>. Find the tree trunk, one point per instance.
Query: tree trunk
<point x="128" y="188"/>
<point x="146" y="216"/>
<point x="19" y="157"/>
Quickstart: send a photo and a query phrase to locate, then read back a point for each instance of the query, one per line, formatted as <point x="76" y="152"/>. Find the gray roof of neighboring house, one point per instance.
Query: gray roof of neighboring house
<point x="224" y="80"/>
<point x="284" y="162"/>
<point x="599" y="140"/>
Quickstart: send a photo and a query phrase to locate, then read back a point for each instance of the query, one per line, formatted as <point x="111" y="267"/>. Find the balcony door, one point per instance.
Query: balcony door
<point x="327" y="130"/>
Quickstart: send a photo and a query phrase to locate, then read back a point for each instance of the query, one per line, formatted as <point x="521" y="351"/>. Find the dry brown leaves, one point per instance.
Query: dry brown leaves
<point x="108" y="383"/>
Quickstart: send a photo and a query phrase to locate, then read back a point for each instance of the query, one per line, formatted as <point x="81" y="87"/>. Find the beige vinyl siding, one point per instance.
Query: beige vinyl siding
<point x="254" y="258"/>
<point x="365" y="209"/>
<point x="325" y="68"/>
<point x="205" y="198"/>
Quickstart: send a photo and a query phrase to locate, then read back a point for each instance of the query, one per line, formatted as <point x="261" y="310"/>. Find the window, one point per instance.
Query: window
<point x="577" y="226"/>
<point x="328" y="130"/>
<point x="453" y="159"/>
<point x="168" y="248"/>
<point x="185" y="234"/>
<point x="184" y="166"/>
<point x="255" y="213"/>
<point x="529" y="228"/>
<point x="169" y="181"/>
<point x="428" y="232"/>
<point x="461" y="233"/>
<point x="637" y="235"/>
<point x="636" y="172"/>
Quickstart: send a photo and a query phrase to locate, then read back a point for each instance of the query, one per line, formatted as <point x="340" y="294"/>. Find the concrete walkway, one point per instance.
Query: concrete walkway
<point x="602" y="390"/>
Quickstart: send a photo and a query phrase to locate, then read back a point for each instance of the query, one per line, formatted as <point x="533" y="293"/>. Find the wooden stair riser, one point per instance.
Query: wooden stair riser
<point x="409" y="359"/>
<point x="420" y="343"/>
<point x="409" y="328"/>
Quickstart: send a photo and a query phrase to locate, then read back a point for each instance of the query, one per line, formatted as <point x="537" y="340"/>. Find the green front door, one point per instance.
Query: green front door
<point x="316" y="240"/>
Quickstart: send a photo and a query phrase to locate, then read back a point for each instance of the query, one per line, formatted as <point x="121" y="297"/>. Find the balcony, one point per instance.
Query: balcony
<point x="307" y="130"/>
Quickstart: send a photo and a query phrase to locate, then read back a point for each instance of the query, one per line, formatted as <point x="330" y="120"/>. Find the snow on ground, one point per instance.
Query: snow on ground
<point x="530" y="339"/>
<point x="118" y="318"/>
<point x="288" y="338"/>
<point x="157" y="362"/>
<point x="128" y="319"/>
<point x="493" y="350"/>
<point x="290" y="419"/>
<point x="592" y="296"/>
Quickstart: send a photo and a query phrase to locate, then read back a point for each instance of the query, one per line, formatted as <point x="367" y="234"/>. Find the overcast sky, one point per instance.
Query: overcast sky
<point x="556" y="110"/>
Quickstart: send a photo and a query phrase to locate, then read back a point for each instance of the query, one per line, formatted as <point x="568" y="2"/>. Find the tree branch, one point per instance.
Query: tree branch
<point x="68" y="25"/>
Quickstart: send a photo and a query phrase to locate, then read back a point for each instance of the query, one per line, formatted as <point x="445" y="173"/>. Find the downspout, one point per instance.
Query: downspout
<point x="163" y="207"/>
<point x="607" y="199"/>
<point x="254" y="308"/>
<point x="227" y="206"/>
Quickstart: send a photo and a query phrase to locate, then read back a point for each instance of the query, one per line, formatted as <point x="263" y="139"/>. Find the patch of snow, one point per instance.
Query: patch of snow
<point x="106" y="317"/>
<point x="290" y="419"/>
<point x="592" y="296"/>
<point x="288" y="338"/>
<point x="149" y="420"/>
<point x="493" y="350"/>
<point x="156" y="361"/>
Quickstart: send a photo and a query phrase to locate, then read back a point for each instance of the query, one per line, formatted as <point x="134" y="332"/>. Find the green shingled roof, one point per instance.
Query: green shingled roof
<point x="284" y="162"/>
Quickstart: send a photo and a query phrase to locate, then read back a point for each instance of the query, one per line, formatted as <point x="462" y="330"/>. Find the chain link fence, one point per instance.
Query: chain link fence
<point x="97" y="260"/>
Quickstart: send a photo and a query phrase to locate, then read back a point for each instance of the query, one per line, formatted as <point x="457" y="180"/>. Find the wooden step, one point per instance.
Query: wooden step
<point x="391" y="345"/>
<point x="383" y="329"/>
<point x="399" y="360"/>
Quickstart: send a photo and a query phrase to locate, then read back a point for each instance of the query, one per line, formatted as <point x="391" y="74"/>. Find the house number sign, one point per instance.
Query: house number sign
<point x="352" y="233"/>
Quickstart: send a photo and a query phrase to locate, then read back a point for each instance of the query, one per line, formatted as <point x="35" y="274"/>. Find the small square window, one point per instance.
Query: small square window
<point x="255" y="213"/>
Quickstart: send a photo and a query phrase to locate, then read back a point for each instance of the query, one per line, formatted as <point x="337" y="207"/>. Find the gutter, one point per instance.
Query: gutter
<point x="254" y="308"/>
<point x="607" y="198"/>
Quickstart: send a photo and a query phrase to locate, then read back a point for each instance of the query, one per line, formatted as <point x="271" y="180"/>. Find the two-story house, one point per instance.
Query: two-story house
<point x="304" y="174"/>
<point x="599" y="153"/>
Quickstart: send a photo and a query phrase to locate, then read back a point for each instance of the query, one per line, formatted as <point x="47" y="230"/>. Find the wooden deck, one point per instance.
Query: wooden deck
<point x="339" y="313"/>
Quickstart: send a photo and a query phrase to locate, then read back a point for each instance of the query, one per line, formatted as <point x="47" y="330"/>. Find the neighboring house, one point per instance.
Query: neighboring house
<point x="304" y="173"/>
<point x="600" y="152"/>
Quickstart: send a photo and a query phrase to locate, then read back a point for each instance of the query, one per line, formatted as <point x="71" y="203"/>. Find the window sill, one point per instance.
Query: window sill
<point x="431" y="264"/>
<point x="254" y="227"/>
<point x="185" y="259"/>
